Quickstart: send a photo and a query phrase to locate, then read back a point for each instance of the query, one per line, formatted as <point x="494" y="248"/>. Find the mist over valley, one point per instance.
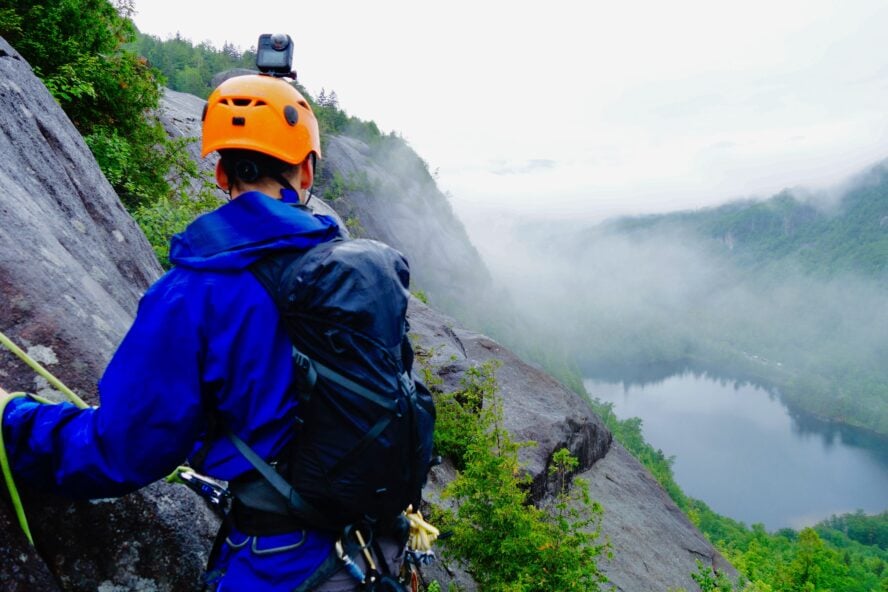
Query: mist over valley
<point x="789" y="294"/>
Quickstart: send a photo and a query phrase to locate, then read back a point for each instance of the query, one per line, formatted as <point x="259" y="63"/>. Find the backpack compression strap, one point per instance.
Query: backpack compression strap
<point x="295" y="502"/>
<point x="311" y="369"/>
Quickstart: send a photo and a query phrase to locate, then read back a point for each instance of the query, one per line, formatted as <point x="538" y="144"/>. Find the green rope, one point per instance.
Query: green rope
<point x="4" y="458"/>
<point x="72" y="397"/>
<point x="55" y="382"/>
<point x="7" y="474"/>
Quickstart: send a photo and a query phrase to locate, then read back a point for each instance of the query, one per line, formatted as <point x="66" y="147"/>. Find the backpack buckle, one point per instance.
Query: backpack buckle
<point x="305" y="366"/>
<point x="407" y="384"/>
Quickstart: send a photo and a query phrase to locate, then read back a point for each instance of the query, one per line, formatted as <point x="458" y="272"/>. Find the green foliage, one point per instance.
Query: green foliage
<point x="457" y="424"/>
<point x="339" y="186"/>
<point x="421" y="296"/>
<point x="77" y="47"/>
<point x="509" y="544"/>
<point x="190" y="68"/>
<point x="162" y="218"/>
<point x="711" y="580"/>
<point x="333" y="120"/>
<point x="857" y="527"/>
<point x="354" y="226"/>
<point x="165" y="217"/>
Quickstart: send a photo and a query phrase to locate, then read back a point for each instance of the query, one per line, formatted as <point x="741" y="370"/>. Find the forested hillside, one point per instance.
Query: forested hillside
<point x="826" y="238"/>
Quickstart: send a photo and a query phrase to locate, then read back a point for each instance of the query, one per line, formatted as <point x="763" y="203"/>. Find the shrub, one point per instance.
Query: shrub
<point x="508" y="543"/>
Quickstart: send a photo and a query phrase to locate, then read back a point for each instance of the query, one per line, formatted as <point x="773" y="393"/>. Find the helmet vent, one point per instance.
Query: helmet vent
<point x="291" y="115"/>
<point x="241" y="102"/>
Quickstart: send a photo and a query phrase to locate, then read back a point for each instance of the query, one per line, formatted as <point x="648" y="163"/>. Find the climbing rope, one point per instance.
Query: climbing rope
<point x="41" y="371"/>
<point x="422" y="536"/>
<point x="175" y="476"/>
<point x="4" y="458"/>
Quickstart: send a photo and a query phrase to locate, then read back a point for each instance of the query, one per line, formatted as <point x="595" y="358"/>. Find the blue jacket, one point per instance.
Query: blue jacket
<point x="206" y="337"/>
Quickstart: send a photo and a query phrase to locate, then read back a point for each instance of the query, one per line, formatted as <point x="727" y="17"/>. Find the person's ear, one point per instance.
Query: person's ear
<point x="222" y="178"/>
<point x="306" y="173"/>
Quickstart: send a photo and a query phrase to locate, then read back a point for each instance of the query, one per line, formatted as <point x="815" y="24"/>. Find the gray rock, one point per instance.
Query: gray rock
<point x="536" y="407"/>
<point x="391" y="196"/>
<point x="180" y="115"/>
<point x="73" y="267"/>
<point x="223" y="76"/>
<point x="654" y="544"/>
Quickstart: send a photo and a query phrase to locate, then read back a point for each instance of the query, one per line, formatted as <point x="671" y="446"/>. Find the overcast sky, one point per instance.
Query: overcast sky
<point x="590" y="109"/>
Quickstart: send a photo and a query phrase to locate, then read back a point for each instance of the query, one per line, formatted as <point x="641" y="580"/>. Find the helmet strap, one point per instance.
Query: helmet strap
<point x="288" y="192"/>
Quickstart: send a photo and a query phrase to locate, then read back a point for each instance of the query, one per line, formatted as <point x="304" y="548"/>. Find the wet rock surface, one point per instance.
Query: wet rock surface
<point x="387" y="193"/>
<point x="73" y="267"/>
<point x="654" y="544"/>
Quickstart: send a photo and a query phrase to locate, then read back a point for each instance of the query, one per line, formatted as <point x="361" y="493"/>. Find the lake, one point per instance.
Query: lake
<point x="739" y="449"/>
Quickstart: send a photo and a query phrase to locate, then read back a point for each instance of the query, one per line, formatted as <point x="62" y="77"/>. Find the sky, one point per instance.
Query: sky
<point x="590" y="109"/>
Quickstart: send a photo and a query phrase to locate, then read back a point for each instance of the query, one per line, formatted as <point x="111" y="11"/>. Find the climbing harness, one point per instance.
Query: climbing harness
<point x="209" y="489"/>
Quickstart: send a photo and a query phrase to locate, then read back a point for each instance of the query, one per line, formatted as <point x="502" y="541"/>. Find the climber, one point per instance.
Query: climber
<point x="205" y="350"/>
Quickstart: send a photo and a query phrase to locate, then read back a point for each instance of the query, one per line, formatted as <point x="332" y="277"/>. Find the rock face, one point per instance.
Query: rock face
<point x="654" y="544"/>
<point x="72" y="269"/>
<point x="389" y="195"/>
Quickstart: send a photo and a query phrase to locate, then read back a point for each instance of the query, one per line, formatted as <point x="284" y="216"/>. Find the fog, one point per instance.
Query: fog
<point x="620" y="300"/>
<point x="592" y="109"/>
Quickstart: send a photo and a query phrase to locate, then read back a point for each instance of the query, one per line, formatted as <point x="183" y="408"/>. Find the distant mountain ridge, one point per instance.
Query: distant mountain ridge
<point x="848" y="236"/>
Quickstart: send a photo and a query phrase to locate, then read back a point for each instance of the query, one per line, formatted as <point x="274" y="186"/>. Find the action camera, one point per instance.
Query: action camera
<point x="274" y="55"/>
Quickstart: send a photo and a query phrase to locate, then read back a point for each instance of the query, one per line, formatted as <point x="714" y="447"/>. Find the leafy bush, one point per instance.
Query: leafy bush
<point x="508" y="543"/>
<point x="77" y="47"/>
<point x="165" y="217"/>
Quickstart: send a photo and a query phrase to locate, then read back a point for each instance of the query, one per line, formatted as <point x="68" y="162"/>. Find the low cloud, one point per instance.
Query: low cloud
<point x="522" y="167"/>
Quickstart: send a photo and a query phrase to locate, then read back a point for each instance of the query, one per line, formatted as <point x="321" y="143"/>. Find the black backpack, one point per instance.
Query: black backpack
<point x="363" y="449"/>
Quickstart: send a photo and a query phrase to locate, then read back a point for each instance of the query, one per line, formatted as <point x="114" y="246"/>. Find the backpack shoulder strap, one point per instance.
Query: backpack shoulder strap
<point x="269" y="272"/>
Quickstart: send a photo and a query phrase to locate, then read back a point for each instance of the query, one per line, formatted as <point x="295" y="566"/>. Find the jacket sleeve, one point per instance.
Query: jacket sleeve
<point x="149" y="419"/>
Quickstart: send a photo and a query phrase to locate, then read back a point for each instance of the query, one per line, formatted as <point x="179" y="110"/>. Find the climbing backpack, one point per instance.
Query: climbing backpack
<point x="363" y="445"/>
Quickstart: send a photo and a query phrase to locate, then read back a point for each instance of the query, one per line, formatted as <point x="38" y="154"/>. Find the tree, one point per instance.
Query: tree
<point x="77" y="47"/>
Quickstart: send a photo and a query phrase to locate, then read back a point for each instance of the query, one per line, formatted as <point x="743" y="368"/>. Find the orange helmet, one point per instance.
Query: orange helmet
<point x="260" y="113"/>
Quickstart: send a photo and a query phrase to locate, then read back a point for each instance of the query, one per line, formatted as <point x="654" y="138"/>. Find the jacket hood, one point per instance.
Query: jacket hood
<point x="242" y="231"/>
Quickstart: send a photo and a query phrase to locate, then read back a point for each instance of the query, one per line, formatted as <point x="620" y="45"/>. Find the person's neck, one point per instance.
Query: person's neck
<point x="270" y="188"/>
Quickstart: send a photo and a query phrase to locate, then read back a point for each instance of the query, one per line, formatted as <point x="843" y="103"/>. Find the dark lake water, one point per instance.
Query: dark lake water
<point x="739" y="449"/>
